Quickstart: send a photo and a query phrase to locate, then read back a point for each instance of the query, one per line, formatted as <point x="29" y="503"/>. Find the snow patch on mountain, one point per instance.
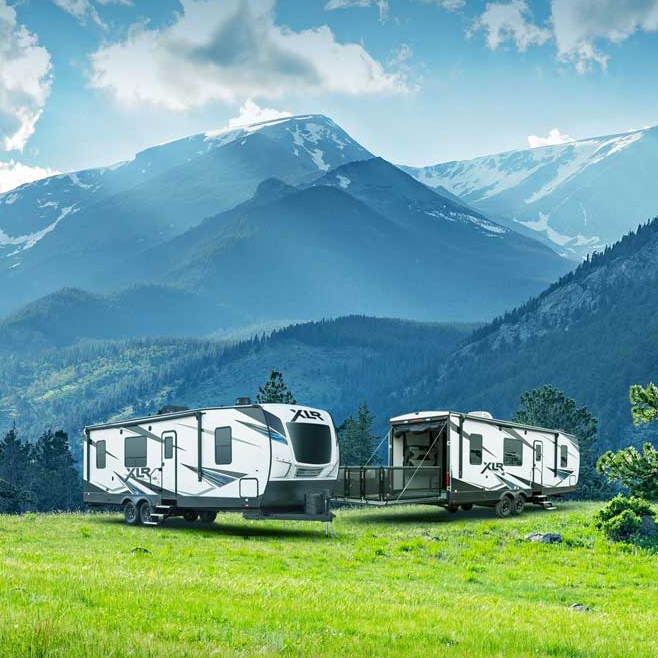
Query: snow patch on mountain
<point x="28" y="241"/>
<point x="542" y="226"/>
<point x="480" y="222"/>
<point x="488" y="176"/>
<point x="343" y="181"/>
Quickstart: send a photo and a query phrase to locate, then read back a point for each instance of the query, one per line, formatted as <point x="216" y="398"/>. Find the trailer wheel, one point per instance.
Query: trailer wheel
<point x="144" y="512"/>
<point x="190" y="515"/>
<point x="518" y="505"/>
<point x="453" y="508"/>
<point x="130" y="513"/>
<point x="207" y="517"/>
<point x="467" y="507"/>
<point x="504" y="507"/>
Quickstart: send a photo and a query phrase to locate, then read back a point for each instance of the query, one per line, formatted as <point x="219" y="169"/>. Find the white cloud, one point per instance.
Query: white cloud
<point x="231" y="50"/>
<point x="580" y="24"/>
<point x="510" y="22"/>
<point x="25" y="80"/>
<point x="250" y="112"/>
<point x="449" y="5"/>
<point x="13" y="174"/>
<point x="554" y="137"/>
<point x="344" y="4"/>
<point x="80" y="9"/>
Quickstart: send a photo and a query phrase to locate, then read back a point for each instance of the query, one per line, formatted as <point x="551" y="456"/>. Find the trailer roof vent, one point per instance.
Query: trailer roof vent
<point x="242" y="401"/>
<point x="480" y="414"/>
<point x="172" y="409"/>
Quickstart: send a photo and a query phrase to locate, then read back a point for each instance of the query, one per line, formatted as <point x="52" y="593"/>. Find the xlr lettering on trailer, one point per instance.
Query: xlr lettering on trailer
<point x="305" y="413"/>
<point x="493" y="466"/>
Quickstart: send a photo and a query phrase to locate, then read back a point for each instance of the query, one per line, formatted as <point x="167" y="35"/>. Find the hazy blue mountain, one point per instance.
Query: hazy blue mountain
<point x="577" y="196"/>
<point x="365" y="238"/>
<point x="71" y="230"/>
<point x="70" y="314"/>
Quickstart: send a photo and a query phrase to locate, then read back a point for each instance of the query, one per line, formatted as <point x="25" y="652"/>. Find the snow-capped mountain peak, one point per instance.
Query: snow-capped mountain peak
<point x="578" y="196"/>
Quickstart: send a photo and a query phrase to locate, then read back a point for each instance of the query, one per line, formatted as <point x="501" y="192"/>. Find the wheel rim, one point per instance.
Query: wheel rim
<point x="144" y="512"/>
<point x="130" y="512"/>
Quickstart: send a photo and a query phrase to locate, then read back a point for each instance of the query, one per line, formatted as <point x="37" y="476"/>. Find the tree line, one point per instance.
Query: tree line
<point x="39" y="476"/>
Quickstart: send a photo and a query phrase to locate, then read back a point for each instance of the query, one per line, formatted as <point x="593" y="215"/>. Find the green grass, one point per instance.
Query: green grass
<point x="410" y="581"/>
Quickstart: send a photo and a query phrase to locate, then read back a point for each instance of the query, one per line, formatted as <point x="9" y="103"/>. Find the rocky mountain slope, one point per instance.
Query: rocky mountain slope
<point x="592" y="335"/>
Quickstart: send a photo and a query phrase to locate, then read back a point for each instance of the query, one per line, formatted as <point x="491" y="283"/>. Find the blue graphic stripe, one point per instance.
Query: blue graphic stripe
<point x="263" y="431"/>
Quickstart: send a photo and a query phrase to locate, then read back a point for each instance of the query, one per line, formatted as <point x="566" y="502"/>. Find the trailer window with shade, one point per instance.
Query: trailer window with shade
<point x="475" y="453"/>
<point x="512" y="452"/>
<point x="101" y="454"/>
<point x="135" y="451"/>
<point x="223" y="445"/>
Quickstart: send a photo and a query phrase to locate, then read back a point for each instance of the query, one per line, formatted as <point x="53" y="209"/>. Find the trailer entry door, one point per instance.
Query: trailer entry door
<point x="537" y="463"/>
<point x="169" y="463"/>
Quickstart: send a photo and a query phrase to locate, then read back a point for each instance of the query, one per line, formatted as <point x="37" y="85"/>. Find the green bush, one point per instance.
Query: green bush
<point x="621" y="518"/>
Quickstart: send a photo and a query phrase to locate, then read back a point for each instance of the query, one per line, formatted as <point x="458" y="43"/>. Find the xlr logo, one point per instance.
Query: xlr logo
<point x="493" y="466"/>
<point x="303" y="413"/>
<point x="139" y="472"/>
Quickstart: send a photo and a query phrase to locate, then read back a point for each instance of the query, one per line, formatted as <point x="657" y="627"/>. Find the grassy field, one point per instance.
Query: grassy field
<point x="410" y="581"/>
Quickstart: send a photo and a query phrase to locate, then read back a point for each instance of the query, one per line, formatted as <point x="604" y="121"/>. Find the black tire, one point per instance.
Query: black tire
<point x="467" y="507"/>
<point x="190" y="515"/>
<point x="207" y="517"/>
<point x="144" y="511"/>
<point x="518" y="504"/>
<point x="130" y="514"/>
<point x="453" y="508"/>
<point x="504" y="507"/>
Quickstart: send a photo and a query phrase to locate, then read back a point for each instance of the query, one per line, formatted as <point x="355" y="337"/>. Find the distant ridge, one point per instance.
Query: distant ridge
<point x="577" y="197"/>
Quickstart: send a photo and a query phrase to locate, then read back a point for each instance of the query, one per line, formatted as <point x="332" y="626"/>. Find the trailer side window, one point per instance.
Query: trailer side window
<point x="168" y="438"/>
<point x="223" y="445"/>
<point x="563" y="456"/>
<point x="135" y="451"/>
<point x="537" y="452"/>
<point x="512" y="452"/>
<point x="476" y="449"/>
<point x="101" y="452"/>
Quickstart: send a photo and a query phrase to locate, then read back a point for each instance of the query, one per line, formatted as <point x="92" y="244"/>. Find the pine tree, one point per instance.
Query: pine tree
<point x="638" y="471"/>
<point x="15" y="471"/>
<point x="356" y="438"/>
<point x="57" y="484"/>
<point x="275" y="390"/>
<point x="548" y="407"/>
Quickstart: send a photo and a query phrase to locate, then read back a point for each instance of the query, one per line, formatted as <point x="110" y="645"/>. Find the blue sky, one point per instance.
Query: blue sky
<point x="86" y="83"/>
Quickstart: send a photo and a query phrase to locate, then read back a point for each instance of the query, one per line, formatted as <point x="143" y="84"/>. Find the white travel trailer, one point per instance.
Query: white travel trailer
<point x="459" y="460"/>
<point x="265" y="460"/>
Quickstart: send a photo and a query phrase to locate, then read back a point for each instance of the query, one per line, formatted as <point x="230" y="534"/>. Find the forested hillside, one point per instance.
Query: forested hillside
<point x="333" y="364"/>
<point x="592" y="335"/>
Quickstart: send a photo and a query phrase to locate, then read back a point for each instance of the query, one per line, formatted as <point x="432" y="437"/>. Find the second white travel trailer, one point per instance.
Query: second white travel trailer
<point x="458" y="460"/>
<point x="265" y="460"/>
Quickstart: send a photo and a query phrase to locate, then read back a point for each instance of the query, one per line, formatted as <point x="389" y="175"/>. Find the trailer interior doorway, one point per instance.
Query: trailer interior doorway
<point x="419" y="450"/>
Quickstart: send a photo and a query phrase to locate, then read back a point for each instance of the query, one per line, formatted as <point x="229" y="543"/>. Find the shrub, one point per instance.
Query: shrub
<point x="621" y="518"/>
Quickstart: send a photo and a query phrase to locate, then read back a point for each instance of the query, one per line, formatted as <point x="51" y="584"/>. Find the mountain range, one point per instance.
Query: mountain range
<point x="286" y="219"/>
<point x="577" y="197"/>
<point x="591" y="335"/>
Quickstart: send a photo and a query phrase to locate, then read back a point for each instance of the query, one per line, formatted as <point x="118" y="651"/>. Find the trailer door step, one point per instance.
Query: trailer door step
<point x="159" y="514"/>
<point x="545" y="502"/>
